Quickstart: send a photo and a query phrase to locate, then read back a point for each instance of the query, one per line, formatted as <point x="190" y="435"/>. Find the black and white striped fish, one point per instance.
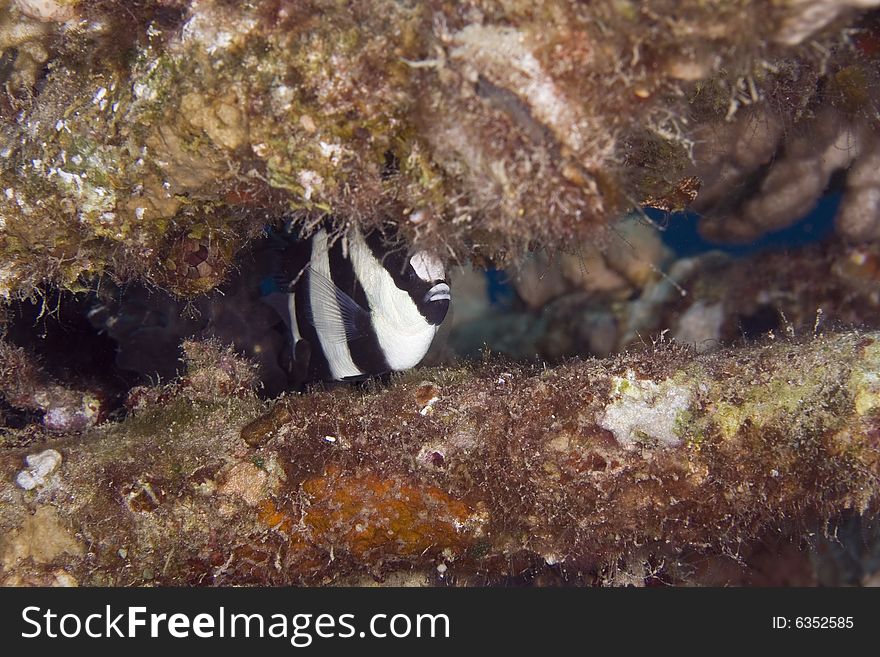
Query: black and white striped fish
<point x="357" y="307"/>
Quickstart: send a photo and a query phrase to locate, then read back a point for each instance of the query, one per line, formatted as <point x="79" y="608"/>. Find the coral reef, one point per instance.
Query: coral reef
<point x="616" y="270"/>
<point x="460" y="475"/>
<point x="766" y="179"/>
<point x="705" y="301"/>
<point x="152" y="142"/>
<point x="148" y="150"/>
<point x="859" y="218"/>
<point x="768" y="161"/>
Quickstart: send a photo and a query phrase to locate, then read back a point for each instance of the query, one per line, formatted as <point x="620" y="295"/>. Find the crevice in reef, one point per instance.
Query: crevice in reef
<point x="66" y="349"/>
<point x="115" y="337"/>
<point x="590" y="301"/>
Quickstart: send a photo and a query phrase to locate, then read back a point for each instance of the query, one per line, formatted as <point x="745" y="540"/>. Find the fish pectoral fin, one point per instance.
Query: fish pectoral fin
<point x="302" y="355"/>
<point x="278" y="301"/>
<point x="343" y="318"/>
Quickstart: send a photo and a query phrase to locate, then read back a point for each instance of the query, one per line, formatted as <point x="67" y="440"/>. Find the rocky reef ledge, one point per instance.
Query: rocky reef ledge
<point x="151" y="141"/>
<point x="656" y="459"/>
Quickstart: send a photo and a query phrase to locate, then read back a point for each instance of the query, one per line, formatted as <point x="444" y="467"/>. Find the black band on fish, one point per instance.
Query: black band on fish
<point x="360" y="306"/>
<point x="362" y="341"/>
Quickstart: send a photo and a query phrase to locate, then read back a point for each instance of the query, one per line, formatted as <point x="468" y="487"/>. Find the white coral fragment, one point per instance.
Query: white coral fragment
<point x="644" y="412"/>
<point x="40" y="466"/>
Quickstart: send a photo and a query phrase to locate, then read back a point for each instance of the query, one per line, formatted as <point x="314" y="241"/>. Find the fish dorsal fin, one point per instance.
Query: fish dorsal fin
<point x="343" y="320"/>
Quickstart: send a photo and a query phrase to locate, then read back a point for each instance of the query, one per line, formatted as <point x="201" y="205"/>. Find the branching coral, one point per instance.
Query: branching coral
<point x="766" y="165"/>
<point x="772" y="178"/>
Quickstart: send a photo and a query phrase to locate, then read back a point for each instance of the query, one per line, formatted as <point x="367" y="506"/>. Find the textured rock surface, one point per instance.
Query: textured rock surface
<point x="152" y="141"/>
<point x="478" y="470"/>
<point x="24" y="385"/>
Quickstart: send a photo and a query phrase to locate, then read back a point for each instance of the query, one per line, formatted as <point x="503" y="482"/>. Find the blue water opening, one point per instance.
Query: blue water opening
<point x="679" y="231"/>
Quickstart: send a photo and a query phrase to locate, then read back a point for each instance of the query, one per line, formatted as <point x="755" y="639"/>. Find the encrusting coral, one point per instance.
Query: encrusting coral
<point x="595" y="467"/>
<point x="151" y="142"/>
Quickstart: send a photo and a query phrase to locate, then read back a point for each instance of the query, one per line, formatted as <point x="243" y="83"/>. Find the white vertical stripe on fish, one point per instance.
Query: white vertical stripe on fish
<point x="336" y="351"/>
<point x="294" y="327"/>
<point x="400" y="328"/>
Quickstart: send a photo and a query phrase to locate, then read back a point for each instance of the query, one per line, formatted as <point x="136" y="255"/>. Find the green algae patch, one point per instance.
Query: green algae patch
<point x="728" y="419"/>
<point x="865" y="381"/>
<point x="792" y="394"/>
